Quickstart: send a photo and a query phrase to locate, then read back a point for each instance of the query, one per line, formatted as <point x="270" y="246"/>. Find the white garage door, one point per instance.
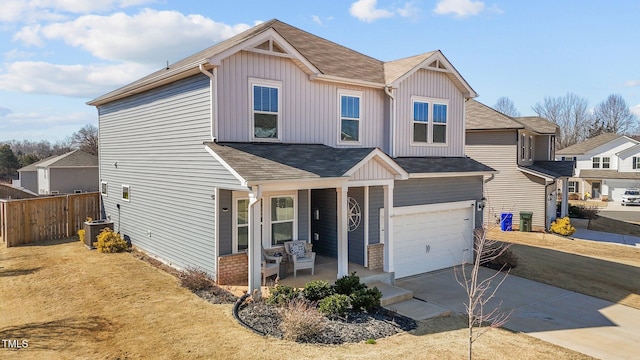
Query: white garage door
<point x="618" y="187"/>
<point x="432" y="237"/>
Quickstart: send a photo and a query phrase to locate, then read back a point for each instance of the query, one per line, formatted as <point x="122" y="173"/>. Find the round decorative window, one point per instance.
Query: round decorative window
<point x="354" y="215"/>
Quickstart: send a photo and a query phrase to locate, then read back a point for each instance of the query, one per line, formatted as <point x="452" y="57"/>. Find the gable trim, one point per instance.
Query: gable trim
<point x="243" y="181"/>
<point x="400" y="173"/>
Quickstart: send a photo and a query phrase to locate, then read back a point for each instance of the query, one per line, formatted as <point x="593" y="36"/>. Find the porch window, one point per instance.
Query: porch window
<point x="573" y="187"/>
<point x="265" y="98"/>
<point x="350" y="116"/>
<point x="430" y="117"/>
<point x="242" y="224"/>
<point x="103" y="188"/>
<point x="596" y="162"/>
<point x="636" y="162"/>
<point x="282" y="219"/>
<point x="606" y="162"/>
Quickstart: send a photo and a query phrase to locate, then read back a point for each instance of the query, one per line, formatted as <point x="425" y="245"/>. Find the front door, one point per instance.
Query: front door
<point x="595" y="189"/>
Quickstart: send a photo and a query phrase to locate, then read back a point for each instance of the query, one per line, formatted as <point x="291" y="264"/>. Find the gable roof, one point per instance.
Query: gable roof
<point x="318" y="57"/>
<point x="589" y="144"/>
<point x="608" y="174"/>
<point x="442" y="165"/>
<point x="538" y="124"/>
<point x="75" y="158"/>
<point x="482" y="117"/>
<point x="33" y="166"/>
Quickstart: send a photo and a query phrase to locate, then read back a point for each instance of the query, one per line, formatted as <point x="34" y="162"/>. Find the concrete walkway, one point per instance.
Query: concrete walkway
<point x="585" y="234"/>
<point x="592" y="326"/>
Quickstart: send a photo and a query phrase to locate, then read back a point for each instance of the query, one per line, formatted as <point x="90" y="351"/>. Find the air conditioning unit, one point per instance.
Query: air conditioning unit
<point x="92" y="229"/>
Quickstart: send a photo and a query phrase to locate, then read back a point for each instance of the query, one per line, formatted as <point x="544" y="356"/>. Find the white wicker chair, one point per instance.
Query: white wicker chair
<point x="270" y="266"/>
<point x="299" y="256"/>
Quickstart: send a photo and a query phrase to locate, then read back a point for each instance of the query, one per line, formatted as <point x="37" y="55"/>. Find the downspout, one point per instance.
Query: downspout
<point x="392" y="121"/>
<point x="213" y="89"/>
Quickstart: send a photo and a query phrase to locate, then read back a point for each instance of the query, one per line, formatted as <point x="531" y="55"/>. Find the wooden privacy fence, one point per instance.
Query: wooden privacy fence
<point x="46" y="218"/>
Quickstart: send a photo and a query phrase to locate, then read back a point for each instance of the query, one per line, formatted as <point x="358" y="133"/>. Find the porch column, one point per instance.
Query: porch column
<point x="564" y="206"/>
<point x="388" y="228"/>
<point x="255" y="243"/>
<point x="343" y="233"/>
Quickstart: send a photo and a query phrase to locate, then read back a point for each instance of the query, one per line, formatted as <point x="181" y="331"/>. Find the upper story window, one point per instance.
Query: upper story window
<point x="350" y="102"/>
<point x="523" y="146"/>
<point x="265" y="109"/>
<point x="596" y="162"/>
<point x="606" y="162"/>
<point x="636" y="162"/>
<point x="430" y="117"/>
<point x="530" y="148"/>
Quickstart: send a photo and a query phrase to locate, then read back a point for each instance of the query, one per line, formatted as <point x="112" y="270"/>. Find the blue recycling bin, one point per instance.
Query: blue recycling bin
<point x="506" y="221"/>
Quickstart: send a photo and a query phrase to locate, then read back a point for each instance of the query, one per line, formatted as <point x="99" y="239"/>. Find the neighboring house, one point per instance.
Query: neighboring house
<point x="73" y="172"/>
<point x="522" y="151"/>
<point x="277" y="134"/>
<point x="606" y="165"/>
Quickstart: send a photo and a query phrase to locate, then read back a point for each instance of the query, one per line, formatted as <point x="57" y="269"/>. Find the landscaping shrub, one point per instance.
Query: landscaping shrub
<point x="110" y="242"/>
<point x="574" y="196"/>
<point x="81" y="235"/>
<point x="366" y="299"/>
<point x="301" y="321"/>
<point x="282" y="294"/>
<point x="334" y="305"/>
<point x="506" y="260"/>
<point x="562" y="226"/>
<point x="583" y="212"/>
<point x="196" y="280"/>
<point x="317" y="290"/>
<point x="348" y="284"/>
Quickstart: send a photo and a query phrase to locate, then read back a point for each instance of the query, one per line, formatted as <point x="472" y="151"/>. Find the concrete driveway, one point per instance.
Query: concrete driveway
<point x="583" y="323"/>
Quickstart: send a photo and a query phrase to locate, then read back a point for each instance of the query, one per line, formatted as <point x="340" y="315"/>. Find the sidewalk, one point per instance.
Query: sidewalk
<point x="585" y="234"/>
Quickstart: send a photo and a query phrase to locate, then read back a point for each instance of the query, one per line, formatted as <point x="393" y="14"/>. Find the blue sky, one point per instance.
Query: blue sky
<point x="58" y="54"/>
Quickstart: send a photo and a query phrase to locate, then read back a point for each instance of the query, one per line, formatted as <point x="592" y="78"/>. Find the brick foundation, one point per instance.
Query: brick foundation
<point x="233" y="269"/>
<point x="375" y="256"/>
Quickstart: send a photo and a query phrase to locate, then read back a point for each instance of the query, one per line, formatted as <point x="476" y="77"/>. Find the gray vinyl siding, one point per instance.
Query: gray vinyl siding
<point x="303" y="214"/>
<point x="356" y="237"/>
<point x="67" y="180"/>
<point x="541" y="148"/>
<point x="310" y="109"/>
<point x="510" y="190"/>
<point x="435" y="85"/>
<point x="325" y="200"/>
<point x="156" y="138"/>
<point x="376" y="202"/>
<point x="225" y="222"/>
<point x="438" y="190"/>
<point x="29" y="180"/>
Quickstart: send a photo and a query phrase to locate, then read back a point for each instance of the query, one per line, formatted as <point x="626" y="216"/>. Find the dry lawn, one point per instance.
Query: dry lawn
<point x="603" y="270"/>
<point x="71" y="303"/>
<point x="588" y="203"/>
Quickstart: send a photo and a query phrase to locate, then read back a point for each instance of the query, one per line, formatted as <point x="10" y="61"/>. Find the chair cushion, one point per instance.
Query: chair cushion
<point x="297" y="249"/>
<point x="304" y="259"/>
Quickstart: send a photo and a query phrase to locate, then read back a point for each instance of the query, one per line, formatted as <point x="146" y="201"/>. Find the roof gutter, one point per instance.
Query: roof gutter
<point x="343" y="80"/>
<point x="392" y="119"/>
<point x="213" y="103"/>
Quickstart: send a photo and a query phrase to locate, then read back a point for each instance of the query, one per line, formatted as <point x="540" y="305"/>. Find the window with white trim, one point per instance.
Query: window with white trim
<point x="126" y="193"/>
<point x="241" y="216"/>
<point x="606" y="162"/>
<point x="283" y="216"/>
<point x="350" y="116"/>
<point x="595" y="162"/>
<point x="429" y="120"/>
<point x="265" y="109"/>
<point x="636" y="162"/>
<point x="530" y="148"/>
<point x="573" y="187"/>
<point x="523" y="146"/>
<point x="103" y="188"/>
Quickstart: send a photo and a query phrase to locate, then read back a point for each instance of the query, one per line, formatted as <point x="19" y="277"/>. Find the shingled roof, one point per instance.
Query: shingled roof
<point x="588" y="145"/>
<point x="608" y="174"/>
<point x="327" y="57"/>
<point x="538" y="124"/>
<point x="553" y="169"/>
<point x="75" y="158"/>
<point x="434" y="165"/>
<point x="482" y="117"/>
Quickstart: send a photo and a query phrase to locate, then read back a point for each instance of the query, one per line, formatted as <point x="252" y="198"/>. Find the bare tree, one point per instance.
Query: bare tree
<point x="506" y="106"/>
<point x="613" y="115"/>
<point x="86" y="139"/>
<point x="480" y="291"/>
<point x="570" y="113"/>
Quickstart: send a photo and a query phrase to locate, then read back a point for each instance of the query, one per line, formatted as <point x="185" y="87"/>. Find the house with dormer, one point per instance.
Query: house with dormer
<point x="277" y="134"/>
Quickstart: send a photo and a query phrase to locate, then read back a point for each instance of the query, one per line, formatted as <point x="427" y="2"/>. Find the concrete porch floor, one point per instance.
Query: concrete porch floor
<point x="326" y="268"/>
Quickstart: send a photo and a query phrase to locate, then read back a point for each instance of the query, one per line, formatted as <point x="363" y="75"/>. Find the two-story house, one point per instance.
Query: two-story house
<point x="72" y="172"/>
<point x="606" y="165"/>
<point x="522" y="151"/>
<point x="277" y="134"/>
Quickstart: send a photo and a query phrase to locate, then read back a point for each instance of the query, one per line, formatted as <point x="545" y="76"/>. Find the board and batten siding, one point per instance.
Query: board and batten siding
<point x="510" y="190"/>
<point x="310" y="109"/>
<point x="153" y="142"/>
<point x="428" y="191"/>
<point x="431" y="84"/>
<point x="376" y="202"/>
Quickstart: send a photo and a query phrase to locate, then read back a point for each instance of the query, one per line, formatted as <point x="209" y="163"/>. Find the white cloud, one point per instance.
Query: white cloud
<point x="316" y="19"/>
<point x="43" y="124"/>
<point x="366" y="11"/>
<point x="150" y="36"/>
<point x="30" y="11"/>
<point x="84" y="81"/>
<point x="632" y="83"/>
<point x="409" y="10"/>
<point x="636" y="110"/>
<point x="461" y="8"/>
